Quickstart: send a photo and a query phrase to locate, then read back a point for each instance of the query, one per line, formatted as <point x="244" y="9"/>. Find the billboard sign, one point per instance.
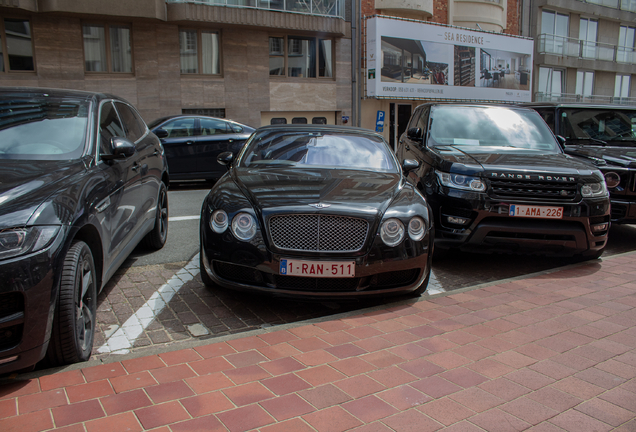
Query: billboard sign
<point x="418" y="60"/>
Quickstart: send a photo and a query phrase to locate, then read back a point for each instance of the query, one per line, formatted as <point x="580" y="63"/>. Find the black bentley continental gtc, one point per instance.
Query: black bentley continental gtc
<point x="316" y="212"/>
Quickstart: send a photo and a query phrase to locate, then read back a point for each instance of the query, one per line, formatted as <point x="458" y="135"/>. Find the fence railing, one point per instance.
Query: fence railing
<point x="593" y="99"/>
<point x="626" y="5"/>
<point x="571" y="47"/>
<point x="334" y="8"/>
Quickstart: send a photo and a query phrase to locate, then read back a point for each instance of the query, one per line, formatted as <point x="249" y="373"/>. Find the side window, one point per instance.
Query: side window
<point x="422" y="121"/>
<point x="181" y="127"/>
<point x="109" y="126"/>
<point x="236" y="128"/>
<point x="213" y="127"/>
<point x="135" y="127"/>
<point x="548" y="117"/>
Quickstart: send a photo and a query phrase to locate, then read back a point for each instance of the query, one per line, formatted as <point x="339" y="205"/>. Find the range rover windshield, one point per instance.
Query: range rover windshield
<point x="598" y="126"/>
<point x="42" y="127"/>
<point x="488" y="129"/>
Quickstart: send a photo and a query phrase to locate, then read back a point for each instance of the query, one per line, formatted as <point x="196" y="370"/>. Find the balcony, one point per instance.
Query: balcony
<point x="571" y="47"/>
<point x="624" y="5"/>
<point x="591" y="99"/>
<point x="330" y="8"/>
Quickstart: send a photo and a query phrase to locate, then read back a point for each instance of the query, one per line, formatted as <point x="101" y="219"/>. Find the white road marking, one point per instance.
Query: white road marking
<point x="122" y="340"/>
<point x="182" y="218"/>
<point x="434" y="286"/>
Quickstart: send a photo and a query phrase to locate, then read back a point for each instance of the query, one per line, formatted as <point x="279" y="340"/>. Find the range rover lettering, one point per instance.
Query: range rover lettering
<point x="498" y="181"/>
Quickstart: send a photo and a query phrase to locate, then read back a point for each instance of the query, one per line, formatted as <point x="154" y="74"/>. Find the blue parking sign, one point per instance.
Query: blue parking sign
<point x="379" y="122"/>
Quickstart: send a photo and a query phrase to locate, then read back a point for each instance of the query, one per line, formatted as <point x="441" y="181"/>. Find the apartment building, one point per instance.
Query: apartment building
<point x="415" y="51"/>
<point x="255" y="61"/>
<point x="584" y="49"/>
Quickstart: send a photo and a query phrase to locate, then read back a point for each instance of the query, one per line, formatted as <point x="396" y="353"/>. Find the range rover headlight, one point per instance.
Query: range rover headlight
<point x="592" y="190"/>
<point x="612" y="179"/>
<point x="21" y="241"/>
<point x="459" y="181"/>
<point x="392" y="231"/>
<point x="244" y="226"/>
<point x="417" y="228"/>
<point x="219" y="221"/>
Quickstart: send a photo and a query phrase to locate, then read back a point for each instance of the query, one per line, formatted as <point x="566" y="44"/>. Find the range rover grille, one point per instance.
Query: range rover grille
<point x="545" y="190"/>
<point x="318" y="233"/>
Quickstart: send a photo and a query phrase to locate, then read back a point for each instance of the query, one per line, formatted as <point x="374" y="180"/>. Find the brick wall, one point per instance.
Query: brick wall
<point x="512" y="18"/>
<point x="440" y="11"/>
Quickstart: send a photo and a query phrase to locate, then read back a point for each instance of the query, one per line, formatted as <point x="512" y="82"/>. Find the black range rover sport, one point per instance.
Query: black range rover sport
<point x="498" y="181"/>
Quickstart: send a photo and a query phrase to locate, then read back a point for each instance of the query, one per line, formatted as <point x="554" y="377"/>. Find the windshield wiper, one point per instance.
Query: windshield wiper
<point x="596" y="140"/>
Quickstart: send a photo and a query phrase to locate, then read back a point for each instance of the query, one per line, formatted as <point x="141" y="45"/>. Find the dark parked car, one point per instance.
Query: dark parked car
<point x="193" y="143"/>
<point x="497" y="180"/>
<point x="316" y="211"/>
<point x="604" y="135"/>
<point x="83" y="181"/>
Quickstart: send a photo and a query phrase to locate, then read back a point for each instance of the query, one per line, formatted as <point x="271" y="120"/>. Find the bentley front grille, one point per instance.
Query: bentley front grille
<point x="544" y="190"/>
<point x="318" y="233"/>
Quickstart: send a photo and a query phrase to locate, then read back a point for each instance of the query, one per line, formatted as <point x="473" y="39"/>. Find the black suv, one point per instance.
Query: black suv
<point x="606" y="136"/>
<point x="498" y="181"/>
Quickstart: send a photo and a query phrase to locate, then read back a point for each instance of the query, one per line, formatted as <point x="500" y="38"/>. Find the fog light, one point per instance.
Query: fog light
<point x="457" y="220"/>
<point x="599" y="227"/>
<point x="8" y="359"/>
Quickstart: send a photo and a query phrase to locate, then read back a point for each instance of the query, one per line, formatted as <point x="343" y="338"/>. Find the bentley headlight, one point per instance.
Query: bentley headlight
<point x="459" y="181"/>
<point x="219" y="221"/>
<point x="392" y="231"/>
<point x="591" y="190"/>
<point x="21" y="241"/>
<point x="244" y="226"/>
<point x="417" y="228"/>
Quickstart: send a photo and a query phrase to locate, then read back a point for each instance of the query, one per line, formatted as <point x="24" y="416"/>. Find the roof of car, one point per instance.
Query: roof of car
<point x="316" y="128"/>
<point x="56" y="92"/>
<point x="578" y="105"/>
<point x="473" y="104"/>
<point x="160" y="120"/>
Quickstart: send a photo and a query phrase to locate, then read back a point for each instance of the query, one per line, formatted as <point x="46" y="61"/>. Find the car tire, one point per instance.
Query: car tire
<point x="74" y="322"/>
<point x="156" y="238"/>
<point x="205" y="278"/>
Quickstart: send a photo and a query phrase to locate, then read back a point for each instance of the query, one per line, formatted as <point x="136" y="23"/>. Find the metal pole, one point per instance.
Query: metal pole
<point x="354" y="63"/>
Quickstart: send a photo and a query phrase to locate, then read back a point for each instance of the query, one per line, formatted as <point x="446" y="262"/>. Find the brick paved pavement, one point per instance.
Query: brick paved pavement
<point x="550" y="352"/>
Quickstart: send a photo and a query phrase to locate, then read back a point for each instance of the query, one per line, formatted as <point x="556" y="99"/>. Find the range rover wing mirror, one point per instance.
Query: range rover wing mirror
<point x="414" y="133"/>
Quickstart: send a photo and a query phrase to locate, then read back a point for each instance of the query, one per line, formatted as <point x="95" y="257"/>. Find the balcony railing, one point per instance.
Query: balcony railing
<point x="626" y="5"/>
<point x="334" y="8"/>
<point x="570" y="47"/>
<point x="592" y="99"/>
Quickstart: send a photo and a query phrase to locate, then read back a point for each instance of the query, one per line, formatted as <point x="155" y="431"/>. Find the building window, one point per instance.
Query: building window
<point x="550" y="81"/>
<point x="199" y="52"/>
<point x="584" y="83"/>
<point x="299" y="120"/>
<point x="17" y="46"/>
<point x="621" y="87"/>
<point x="554" y="28"/>
<point x="212" y="112"/>
<point x="588" y="30"/>
<point x="319" y="120"/>
<point x="302" y="57"/>
<point x="625" y="48"/>
<point x="278" y="121"/>
<point x="107" y="48"/>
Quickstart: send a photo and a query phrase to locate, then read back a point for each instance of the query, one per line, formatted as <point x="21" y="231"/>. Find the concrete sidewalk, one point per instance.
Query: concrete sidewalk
<point x="550" y="352"/>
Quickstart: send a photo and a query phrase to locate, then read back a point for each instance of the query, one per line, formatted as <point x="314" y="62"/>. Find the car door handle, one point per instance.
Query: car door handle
<point x="407" y="147"/>
<point x="189" y="142"/>
<point x="136" y="166"/>
<point x="231" y="141"/>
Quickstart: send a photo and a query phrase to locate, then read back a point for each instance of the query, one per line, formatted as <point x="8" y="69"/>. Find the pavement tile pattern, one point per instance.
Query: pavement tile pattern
<point x="552" y="352"/>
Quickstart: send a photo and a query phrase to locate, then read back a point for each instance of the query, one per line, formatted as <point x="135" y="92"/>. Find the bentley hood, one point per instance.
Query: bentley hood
<point x="312" y="190"/>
